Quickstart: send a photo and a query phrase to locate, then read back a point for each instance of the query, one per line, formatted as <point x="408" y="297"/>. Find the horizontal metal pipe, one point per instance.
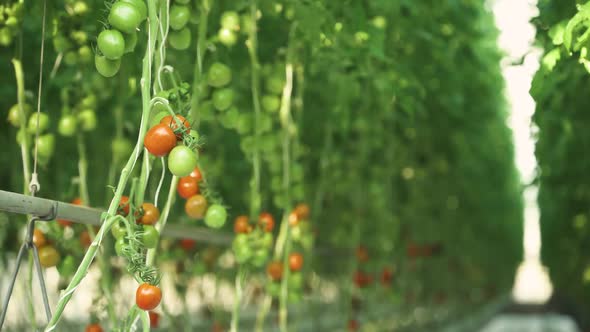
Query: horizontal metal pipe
<point x="46" y="209"/>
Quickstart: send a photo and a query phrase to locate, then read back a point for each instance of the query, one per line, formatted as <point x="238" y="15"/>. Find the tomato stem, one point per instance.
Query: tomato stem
<point x="22" y="118"/>
<point x="124" y="177"/>
<point x="198" y="71"/>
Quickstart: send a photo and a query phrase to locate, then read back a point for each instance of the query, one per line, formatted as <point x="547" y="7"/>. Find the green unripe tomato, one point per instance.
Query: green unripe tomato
<point x="85" y="54"/>
<point x="130" y="42"/>
<point x="270" y="103"/>
<point x="179" y="16"/>
<point x="180" y="40"/>
<point x="227" y="37"/>
<point x="295" y="280"/>
<point x="13" y="114"/>
<point x="125" y="17"/>
<point x="71" y="58"/>
<point x="111" y="43"/>
<point x="260" y="257"/>
<point x="246" y="25"/>
<point x="106" y="67"/>
<point x="67" y="126"/>
<point x="242" y="252"/>
<point x="141" y="7"/>
<point x="120" y="243"/>
<point x="240" y="240"/>
<point x="43" y="119"/>
<point x="79" y="37"/>
<point x="80" y="8"/>
<point x="45" y="146"/>
<point x="267" y="240"/>
<point x="216" y="216"/>
<point x="5" y="36"/>
<point x="20" y="136"/>
<point x="274" y="84"/>
<point x="219" y="75"/>
<point x="182" y="161"/>
<point x="121" y="148"/>
<point x="67" y="266"/>
<point x="118" y="230"/>
<point x="150" y="236"/>
<point x="89" y="101"/>
<point x="61" y="44"/>
<point x="223" y="99"/>
<point x="87" y="119"/>
<point x="230" y="20"/>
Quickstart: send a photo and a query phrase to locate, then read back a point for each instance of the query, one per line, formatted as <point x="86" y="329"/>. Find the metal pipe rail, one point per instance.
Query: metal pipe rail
<point x="46" y="209"/>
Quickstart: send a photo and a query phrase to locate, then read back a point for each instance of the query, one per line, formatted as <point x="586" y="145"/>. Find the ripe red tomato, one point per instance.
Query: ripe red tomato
<point x="94" y="328"/>
<point x="124" y="206"/>
<point x="160" y="140"/>
<point x="275" y="270"/>
<point x="295" y="261"/>
<point x="39" y="238"/>
<point x="154" y="319"/>
<point x="173" y="124"/>
<point x="187" y="244"/>
<point x="85" y="239"/>
<point x="196" y="173"/>
<point x="361" y="279"/>
<point x="362" y="254"/>
<point x="151" y="214"/>
<point x="241" y="225"/>
<point x="196" y="206"/>
<point x="148" y="297"/>
<point x="302" y="211"/>
<point x="413" y="250"/>
<point x="187" y="186"/>
<point x="386" y="276"/>
<point x="266" y="221"/>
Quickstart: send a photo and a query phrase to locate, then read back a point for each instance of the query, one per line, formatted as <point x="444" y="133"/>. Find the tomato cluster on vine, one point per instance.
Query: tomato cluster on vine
<point x="125" y="17"/>
<point x="252" y="243"/>
<point x="11" y="17"/>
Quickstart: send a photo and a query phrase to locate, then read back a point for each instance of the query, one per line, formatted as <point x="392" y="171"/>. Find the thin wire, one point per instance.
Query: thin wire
<point x="34" y="186"/>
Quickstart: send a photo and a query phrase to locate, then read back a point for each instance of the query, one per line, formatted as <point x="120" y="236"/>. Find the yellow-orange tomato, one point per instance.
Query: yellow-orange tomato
<point x="85" y="239"/>
<point x="295" y="261"/>
<point x="151" y="214"/>
<point x="275" y="270"/>
<point x="196" y="206"/>
<point x="266" y="221"/>
<point x="362" y="254"/>
<point x="39" y="238"/>
<point x="241" y="225"/>
<point x="302" y="211"/>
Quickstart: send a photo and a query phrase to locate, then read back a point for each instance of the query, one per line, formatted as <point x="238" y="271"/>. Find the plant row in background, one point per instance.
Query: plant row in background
<point x="353" y="146"/>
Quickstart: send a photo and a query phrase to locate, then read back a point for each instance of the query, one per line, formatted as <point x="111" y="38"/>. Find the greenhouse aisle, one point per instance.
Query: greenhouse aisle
<point x="532" y="285"/>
